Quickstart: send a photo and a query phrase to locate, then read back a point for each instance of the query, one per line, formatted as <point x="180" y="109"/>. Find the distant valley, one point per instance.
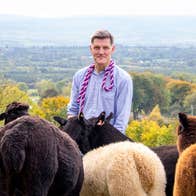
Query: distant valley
<point x="76" y="31"/>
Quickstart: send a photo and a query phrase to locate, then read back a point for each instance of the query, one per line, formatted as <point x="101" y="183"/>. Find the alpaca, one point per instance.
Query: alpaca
<point x="185" y="177"/>
<point x="39" y="159"/>
<point x="13" y="111"/>
<point x="96" y="132"/>
<point x="123" y="169"/>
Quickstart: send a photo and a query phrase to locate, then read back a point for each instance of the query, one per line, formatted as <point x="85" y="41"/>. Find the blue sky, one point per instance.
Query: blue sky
<point x="67" y="8"/>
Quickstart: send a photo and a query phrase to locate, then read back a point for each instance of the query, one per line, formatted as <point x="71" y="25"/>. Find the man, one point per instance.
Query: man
<point x="102" y="86"/>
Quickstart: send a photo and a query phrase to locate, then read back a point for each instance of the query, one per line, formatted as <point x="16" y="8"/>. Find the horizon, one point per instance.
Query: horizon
<point x="75" y="30"/>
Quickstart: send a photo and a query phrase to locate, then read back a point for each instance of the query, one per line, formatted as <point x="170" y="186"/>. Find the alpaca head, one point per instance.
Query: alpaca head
<point x="186" y="131"/>
<point x="78" y="128"/>
<point x="83" y="131"/>
<point x="101" y="119"/>
<point x="14" y="110"/>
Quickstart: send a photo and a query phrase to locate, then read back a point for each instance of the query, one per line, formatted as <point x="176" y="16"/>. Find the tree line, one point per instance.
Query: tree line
<point x="157" y="99"/>
<point x="33" y="64"/>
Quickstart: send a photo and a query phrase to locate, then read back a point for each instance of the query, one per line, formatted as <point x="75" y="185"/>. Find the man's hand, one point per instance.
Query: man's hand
<point x="70" y="116"/>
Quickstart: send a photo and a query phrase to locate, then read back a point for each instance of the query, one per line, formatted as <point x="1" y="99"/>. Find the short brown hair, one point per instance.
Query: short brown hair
<point x="102" y="34"/>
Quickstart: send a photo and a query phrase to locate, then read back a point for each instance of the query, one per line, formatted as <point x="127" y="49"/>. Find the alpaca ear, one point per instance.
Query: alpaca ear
<point x="101" y="119"/>
<point x="183" y="119"/>
<point x="81" y="117"/>
<point x="23" y="106"/>
<point x="109" y="117"/>
<point x="183" y="122"/>
<point x="2" y="116"/>
<point x="60" y="120"/>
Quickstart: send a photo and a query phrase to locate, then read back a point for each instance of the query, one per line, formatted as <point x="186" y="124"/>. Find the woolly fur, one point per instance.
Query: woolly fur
<point x="123" y="169"/>
<point x="185" y="179"/>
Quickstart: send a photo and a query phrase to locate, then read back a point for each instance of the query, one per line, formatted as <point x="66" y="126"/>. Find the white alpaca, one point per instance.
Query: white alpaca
<point x="123" y="169"/>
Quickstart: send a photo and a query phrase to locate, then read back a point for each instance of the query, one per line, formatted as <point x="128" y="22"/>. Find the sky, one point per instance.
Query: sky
<point x="67" y="8"/>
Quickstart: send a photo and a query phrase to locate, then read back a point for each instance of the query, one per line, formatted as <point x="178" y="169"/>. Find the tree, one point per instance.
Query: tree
<point x="150" y="133"/>
<point x="23" y="86"/>
<point x="149" y="90"/>
<point x="155" y="115"/>
<point x="43" y="86"/>
<point x="49" y="93"/>
<point x="53" y="106"/>
<point x="190" y="103"/>
<point x="179" y="90"/>
<point x="66" y="90"/>
<point x="11" y="92"/>
<point x="62" y="84"/>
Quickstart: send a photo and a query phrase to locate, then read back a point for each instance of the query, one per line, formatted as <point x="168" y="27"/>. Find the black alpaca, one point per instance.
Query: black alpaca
<point x="95" y="132"/>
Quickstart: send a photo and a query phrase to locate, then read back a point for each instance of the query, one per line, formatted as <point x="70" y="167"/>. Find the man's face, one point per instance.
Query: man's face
<point x="101" y="50"/>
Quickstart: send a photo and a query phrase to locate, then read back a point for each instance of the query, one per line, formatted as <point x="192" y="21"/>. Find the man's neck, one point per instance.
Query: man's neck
<point x="99" y="68"/>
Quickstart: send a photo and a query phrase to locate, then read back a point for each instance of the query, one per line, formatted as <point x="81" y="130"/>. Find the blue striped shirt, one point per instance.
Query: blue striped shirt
<point x="118" y="100"/>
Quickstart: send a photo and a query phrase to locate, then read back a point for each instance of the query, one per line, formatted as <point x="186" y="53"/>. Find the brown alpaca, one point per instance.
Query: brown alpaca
<point x="186" y="131"/>
<point x="185" y="177"/>
<point x="36" y="158"/>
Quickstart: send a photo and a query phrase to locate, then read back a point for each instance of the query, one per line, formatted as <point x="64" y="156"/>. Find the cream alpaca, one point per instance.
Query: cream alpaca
<point x="123" y="169"/>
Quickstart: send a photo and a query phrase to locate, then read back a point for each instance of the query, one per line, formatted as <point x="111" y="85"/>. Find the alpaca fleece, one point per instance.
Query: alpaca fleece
<point x="185" y="178"/>
<point x="123" y="169"/>
<point x="39" y="159"/>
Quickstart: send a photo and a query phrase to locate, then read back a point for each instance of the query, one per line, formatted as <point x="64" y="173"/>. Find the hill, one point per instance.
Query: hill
<point x="127" y="30"/>
<point x="32" y="64"/>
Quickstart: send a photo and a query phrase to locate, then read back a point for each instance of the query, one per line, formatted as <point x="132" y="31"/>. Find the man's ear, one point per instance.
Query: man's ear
<point x="60" y="120"/>
<point x="113" y="48"/>
<point x="2" y="116"/>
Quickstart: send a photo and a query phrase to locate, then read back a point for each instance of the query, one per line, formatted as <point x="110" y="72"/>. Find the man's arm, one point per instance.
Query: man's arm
<point x="123" y="104"/>
<point x="73" y="106"/>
